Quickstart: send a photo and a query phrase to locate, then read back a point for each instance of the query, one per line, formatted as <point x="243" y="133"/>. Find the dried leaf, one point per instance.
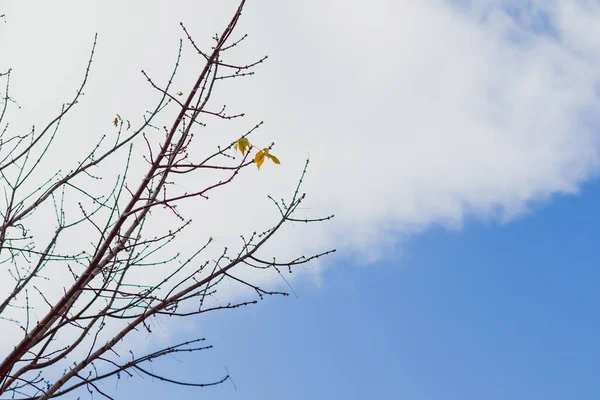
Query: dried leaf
<point x="259" y="158"/>
<point x="241" y="145"/>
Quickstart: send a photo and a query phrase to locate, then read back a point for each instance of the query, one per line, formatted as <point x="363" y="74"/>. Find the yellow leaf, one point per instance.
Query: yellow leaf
<point x="242" y="144"/>
<point x="274" y="159"/>
<point x="259" y="159"/>
<point x="180" y="94"/>
<point x="116" y="121"/>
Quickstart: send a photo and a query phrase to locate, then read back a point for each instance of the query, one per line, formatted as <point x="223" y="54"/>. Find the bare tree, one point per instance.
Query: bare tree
<point x="70" y="342"/>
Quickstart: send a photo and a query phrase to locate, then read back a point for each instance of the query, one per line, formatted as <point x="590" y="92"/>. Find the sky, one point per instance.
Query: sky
<point x="454" y="140"/>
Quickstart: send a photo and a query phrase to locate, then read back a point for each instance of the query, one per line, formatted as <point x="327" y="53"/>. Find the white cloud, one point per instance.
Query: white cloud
<point x="425" y="114"/>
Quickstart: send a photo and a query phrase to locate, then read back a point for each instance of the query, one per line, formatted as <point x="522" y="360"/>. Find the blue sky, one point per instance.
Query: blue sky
<point x="490" y="312"/>
<point x="457" y="144"/>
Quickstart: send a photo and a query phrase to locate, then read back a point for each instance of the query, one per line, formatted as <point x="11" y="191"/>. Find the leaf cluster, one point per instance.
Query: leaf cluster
<point x="243" y="144"/>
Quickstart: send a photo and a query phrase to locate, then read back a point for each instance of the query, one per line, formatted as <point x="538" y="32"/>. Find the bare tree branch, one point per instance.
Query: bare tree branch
<point x="75" y="342"/>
